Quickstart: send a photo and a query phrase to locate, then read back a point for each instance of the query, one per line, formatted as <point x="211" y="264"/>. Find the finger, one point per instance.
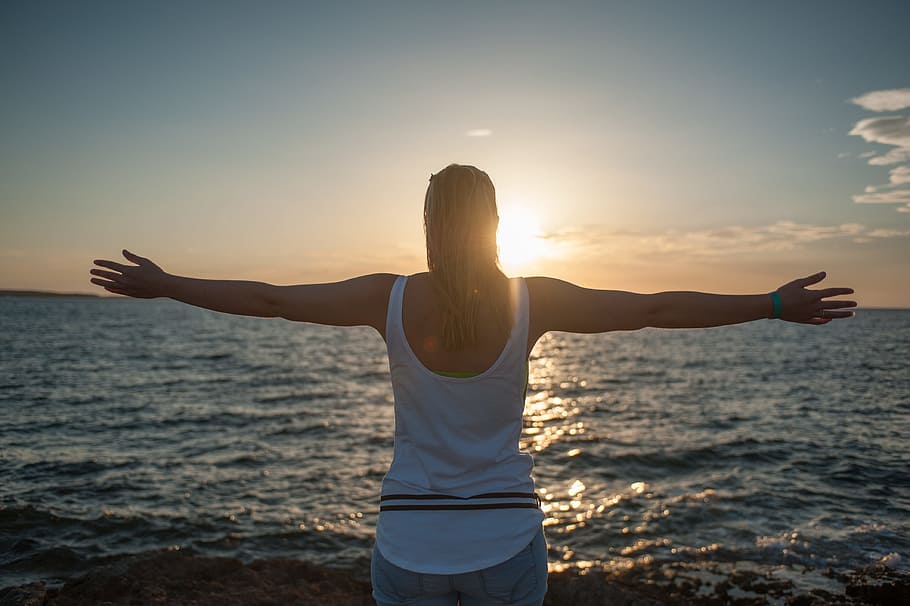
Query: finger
<point x="135" y="258"/>
<point x="112" y="265"/>
<point x="106" y="274"/>
<point x="809" y="280"/>
<point x="837" y="314"/>
<point x="121" y="279"/>
<point x="105" y="283"/>
<point x="831" y="292"/>
<point x="835" y="304"/>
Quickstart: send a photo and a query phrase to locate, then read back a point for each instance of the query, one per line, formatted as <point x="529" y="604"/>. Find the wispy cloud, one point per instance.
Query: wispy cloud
<point x="895" y="196"/>
<point x="884" y="100"/>
<point x="715" y="242"/>
<point x="886" y="130"/>
<point x="893" y="156"/>
<point x="888" y="233"/>
<point x="479" y="132"/>
<point x="900" y="175"/>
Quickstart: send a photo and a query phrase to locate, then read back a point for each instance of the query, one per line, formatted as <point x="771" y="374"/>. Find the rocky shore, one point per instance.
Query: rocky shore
<point x="175" y="578"/>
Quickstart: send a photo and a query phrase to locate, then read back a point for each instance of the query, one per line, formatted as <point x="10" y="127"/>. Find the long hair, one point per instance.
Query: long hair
<point x="460" y="221"/>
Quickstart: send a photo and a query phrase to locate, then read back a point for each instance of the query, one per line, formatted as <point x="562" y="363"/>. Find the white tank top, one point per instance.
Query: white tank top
<point x="458" y="496"/>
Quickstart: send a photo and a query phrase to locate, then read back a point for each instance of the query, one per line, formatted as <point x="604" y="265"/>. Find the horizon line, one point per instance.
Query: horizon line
<point x="14" y="292"/>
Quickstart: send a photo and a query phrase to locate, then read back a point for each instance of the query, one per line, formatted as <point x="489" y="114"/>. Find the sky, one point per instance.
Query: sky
<point x="646" y="146"/>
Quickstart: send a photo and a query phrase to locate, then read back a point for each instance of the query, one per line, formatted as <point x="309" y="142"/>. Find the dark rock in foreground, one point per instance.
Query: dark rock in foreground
<point x="169" y="578"/>
<point x="181" y="578"/>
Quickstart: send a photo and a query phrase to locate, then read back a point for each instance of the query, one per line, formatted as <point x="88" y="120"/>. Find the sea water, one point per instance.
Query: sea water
<point x="130" y="425"/>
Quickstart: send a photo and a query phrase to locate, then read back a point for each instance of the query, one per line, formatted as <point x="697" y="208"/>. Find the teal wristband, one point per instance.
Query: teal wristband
<point x="775" y="305"/>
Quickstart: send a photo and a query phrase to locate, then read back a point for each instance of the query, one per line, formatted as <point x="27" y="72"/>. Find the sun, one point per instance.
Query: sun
<point x="520" y="239"/>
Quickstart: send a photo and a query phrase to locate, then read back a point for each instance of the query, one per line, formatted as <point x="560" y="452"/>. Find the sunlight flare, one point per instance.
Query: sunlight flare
<point x="520" y="239"/>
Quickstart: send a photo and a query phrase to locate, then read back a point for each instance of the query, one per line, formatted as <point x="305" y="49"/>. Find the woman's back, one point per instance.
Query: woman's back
<point x="423" y="314"/>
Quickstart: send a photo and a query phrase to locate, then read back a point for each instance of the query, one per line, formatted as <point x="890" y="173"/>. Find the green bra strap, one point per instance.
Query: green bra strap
<point x="465" y="375"/>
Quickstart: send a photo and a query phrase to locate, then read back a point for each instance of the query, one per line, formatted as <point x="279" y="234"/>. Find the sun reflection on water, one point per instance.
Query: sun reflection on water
<point x="576" y="496"/>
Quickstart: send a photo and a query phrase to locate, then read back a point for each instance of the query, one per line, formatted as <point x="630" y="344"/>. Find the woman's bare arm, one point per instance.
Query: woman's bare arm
<point x="360" y="301"/>
<point x="563" y="306"/>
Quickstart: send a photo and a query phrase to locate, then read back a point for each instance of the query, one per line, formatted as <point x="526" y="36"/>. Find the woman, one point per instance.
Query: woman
<point x="459" y="518"/>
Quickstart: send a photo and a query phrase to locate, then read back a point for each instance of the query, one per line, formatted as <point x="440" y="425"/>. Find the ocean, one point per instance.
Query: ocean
<point x="134" y="425"/>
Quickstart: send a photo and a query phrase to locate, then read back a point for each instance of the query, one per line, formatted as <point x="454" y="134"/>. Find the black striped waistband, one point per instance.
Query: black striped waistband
<point x="444" y="506"/>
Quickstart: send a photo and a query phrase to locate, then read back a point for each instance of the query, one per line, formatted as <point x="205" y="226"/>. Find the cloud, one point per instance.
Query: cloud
<point x="889" y="193"/>
<point x="894" y="196"/>
<point x="898" y="154"/>
<point x="886" y="130"/>
<point x="900" y="175"/>
<point x="889" y="130"/>
<point x="715" y="242"/>
<point x="479" y="132"/>
<point x="884" y="100"/>
<point x="888" y="233"/>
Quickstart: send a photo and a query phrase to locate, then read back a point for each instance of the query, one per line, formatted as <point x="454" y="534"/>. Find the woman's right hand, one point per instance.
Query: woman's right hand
<point x="145" y="280"/>
<point x="799" y="304"/>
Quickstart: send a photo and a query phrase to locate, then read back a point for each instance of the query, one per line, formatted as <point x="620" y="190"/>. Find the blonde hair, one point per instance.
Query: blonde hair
<point x="460" y="221"/>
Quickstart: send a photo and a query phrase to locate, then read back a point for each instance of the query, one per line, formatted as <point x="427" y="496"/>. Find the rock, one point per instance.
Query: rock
<point x="880" y="585"/>
<point x="32" y="594"/>
<point x="176" y="577"/>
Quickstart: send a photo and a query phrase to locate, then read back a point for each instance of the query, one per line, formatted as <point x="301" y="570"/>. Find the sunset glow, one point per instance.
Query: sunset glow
<point x="521" y="240"/>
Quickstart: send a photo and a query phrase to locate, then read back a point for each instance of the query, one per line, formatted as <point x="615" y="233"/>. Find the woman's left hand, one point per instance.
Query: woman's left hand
<point x="799" y="304"/>
<point x="145" y="280"/>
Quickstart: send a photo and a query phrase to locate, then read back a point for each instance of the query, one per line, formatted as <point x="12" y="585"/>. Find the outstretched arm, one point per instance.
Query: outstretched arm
<point x="146" y="280"/>
<point x="359" y="301"/>
<point x="562" y="306"/>
<point x="797" y="304"/>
